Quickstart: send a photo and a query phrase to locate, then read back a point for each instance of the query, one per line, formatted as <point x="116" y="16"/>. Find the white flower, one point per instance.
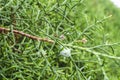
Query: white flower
<point x="84" y="40"/>
<point x="66" y="52"/>
<point x="62" y="37"/>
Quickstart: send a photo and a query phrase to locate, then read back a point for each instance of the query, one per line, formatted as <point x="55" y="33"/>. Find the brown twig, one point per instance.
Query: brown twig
<point x="4" y="30"/>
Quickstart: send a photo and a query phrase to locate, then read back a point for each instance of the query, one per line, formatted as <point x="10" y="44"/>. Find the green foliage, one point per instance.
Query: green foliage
<point x="85" y="27"/>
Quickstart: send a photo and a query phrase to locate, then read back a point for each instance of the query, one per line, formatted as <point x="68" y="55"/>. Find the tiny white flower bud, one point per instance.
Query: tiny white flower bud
<point x="66" y="52"/>
<point x="62" y="37"/>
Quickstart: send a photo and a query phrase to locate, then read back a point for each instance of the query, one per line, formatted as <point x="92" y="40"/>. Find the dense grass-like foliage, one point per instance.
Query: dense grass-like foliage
<point x="85" y="35"/>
